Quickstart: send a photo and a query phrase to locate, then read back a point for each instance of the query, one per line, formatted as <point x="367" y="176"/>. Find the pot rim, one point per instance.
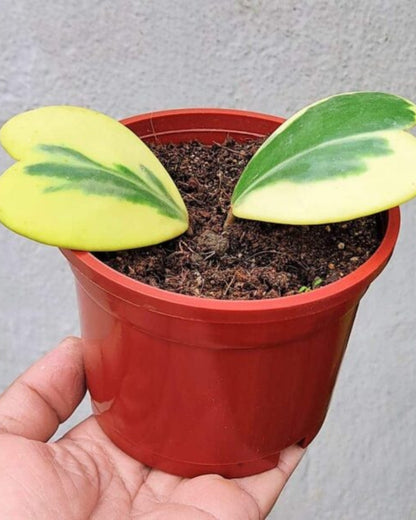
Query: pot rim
<point x="107" y="276"/>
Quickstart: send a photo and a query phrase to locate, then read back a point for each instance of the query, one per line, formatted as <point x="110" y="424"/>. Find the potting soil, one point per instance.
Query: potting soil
<point x="246" y="260"/>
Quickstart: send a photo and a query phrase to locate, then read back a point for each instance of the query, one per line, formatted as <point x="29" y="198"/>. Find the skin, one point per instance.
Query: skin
<point x="84" y="476"/>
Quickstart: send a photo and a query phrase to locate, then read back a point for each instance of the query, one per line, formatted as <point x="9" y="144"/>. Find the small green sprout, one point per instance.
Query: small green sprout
<point x="317" y="282"/>
<point x="314" y="285"/>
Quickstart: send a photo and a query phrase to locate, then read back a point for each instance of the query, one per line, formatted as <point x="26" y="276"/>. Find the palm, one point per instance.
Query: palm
<point x="85" y="476"/>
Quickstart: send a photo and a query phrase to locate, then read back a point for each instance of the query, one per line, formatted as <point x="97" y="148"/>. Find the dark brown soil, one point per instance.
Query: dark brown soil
<point x="248" y="260"/>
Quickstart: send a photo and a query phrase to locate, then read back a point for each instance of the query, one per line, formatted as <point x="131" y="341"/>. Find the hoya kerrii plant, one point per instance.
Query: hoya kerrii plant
<point x="84" y="181"/>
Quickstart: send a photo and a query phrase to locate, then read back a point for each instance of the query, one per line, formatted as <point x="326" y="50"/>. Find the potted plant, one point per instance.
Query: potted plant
<point x="196" y="385"/>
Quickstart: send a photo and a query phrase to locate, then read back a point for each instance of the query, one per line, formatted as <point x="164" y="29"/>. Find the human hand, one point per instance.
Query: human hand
<point x="85" y="476"/>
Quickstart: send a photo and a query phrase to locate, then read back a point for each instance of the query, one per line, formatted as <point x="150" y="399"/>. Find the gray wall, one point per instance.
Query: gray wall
<point x="126" y="57"/>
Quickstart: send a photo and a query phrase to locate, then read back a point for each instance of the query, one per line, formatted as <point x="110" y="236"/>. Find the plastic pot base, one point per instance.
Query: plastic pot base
<point x="188" y="469"/>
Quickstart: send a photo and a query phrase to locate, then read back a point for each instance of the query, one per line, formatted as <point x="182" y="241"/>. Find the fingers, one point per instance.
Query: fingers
<point x="266" y="487"/>
<point x="46" y="394"/>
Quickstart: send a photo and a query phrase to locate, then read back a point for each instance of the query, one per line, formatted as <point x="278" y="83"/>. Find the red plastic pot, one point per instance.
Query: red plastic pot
<point x="191" y="385"/>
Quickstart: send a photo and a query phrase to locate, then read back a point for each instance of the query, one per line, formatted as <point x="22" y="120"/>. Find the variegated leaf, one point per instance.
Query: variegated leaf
<point x="341" y="158"/>
<point x="84" y="181"/>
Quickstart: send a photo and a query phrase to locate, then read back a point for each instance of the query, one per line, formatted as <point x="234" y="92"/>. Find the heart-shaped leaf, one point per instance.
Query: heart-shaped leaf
<point x="84" y="181"/>
<point x="344" y="157"/>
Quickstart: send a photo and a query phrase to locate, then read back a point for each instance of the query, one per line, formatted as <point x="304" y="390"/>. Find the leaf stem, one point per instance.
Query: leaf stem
<point x="229" y="219"/>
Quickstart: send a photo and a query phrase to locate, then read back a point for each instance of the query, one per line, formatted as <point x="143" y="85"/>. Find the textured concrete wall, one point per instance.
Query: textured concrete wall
<point x="125" y="57"/>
